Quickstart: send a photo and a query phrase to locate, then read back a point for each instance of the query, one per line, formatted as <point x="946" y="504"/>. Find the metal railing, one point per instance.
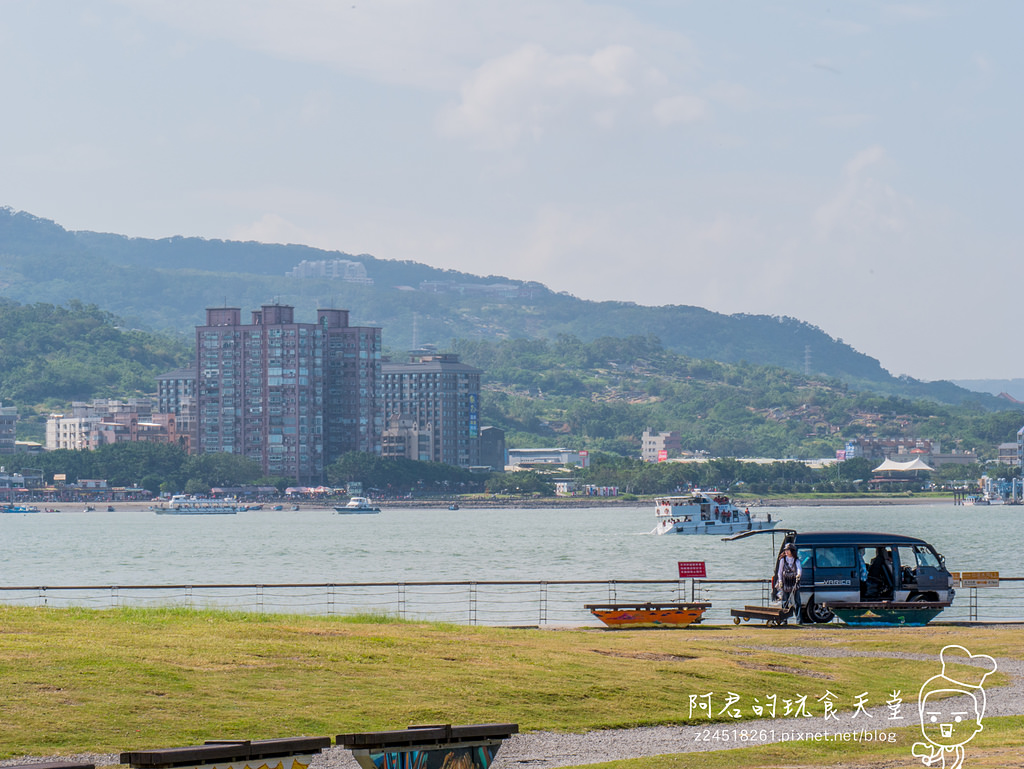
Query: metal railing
<point x="483" y="602"/>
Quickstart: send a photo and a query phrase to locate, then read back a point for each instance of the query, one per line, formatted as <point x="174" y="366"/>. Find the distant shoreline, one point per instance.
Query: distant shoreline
<point x="532" y="503"/>
<point x="578" y="502"/>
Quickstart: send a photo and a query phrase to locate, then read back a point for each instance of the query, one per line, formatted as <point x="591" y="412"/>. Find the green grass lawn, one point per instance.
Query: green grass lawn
<point x="106" y="681"/>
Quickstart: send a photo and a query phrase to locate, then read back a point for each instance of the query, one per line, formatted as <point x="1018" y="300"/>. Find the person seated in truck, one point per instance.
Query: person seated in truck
<point x="880" y="579"/>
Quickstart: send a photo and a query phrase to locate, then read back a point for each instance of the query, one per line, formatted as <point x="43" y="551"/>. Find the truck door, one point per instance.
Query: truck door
<point x="835" y="575"/>
<point x="881" y="580"/>
<point x="922" y="572"/>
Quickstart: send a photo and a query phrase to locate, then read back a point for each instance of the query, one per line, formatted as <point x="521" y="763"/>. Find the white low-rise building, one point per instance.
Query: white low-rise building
<point x="524" y="459"/>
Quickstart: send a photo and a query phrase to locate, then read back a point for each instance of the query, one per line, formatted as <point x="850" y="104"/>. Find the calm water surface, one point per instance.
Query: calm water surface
<point x="429" y="545"/>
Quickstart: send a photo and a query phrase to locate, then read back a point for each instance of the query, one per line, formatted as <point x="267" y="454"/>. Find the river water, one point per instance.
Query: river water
<point x="407" y="544"/>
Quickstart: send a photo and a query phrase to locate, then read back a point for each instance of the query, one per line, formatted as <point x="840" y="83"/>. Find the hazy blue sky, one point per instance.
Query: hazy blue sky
<point x="857" y="165"/>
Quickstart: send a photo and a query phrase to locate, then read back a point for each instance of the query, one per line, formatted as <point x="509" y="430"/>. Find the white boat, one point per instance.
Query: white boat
<point x="983" y="499"/>
<point x="181" y="504"/>
<point x="357" y="506"/>
<point x="706" y="512"/>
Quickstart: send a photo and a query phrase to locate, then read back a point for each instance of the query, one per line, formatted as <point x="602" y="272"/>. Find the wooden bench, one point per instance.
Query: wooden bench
<point x="470" y="745"/>
<point x="287" y="753"/>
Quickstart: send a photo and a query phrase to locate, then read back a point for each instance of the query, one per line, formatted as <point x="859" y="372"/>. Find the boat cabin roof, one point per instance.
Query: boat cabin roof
<point x="696" y="494"/>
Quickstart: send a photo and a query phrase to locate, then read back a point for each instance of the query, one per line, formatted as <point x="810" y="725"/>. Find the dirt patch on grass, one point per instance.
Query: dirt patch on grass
<point x="655" y="656"/>
<point x="787" y="669"/>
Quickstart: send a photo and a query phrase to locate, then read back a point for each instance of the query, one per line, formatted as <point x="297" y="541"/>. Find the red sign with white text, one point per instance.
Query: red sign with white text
<point x="691" y="569"/>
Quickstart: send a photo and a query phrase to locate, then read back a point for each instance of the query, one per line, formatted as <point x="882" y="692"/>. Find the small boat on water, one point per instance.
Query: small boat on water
<point x="181" y="504"/>
<point x="983" y="499"/>
<point x="12" y="508"/>
<point x="357" y="506"/>
<point x="706" y="512"/>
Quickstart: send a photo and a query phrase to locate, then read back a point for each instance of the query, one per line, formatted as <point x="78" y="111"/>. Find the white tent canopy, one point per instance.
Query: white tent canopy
<point x="890" y="465"/>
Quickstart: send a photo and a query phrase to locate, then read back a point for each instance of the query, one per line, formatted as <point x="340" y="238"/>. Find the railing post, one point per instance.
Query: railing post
<point x="401" y="600"/>
<point x="543" y="617"/>
<point x="472" y="603"/>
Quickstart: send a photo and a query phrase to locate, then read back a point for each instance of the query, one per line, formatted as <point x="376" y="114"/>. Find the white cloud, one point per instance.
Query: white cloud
<point x="271" y="228"/>
<point x="525" y="93"/>
<point x="433" y="45"/>
<point x="522" y="93"/>
<point x="591" y="64"/>
<point x="861" y="202"/>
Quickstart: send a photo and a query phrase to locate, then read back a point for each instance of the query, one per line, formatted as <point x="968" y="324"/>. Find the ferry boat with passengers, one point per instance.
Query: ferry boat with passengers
<point x="184" y="504"/>
<point x="706" y="512"/>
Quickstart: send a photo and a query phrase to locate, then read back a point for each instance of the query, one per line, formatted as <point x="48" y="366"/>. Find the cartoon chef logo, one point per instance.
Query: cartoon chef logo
<point x="949" y="720"/>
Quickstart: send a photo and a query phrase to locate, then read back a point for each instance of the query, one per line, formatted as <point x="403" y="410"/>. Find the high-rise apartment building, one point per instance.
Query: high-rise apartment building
<point x="432" y="403"/>
<point x="173" y="388"/>
<point x="291" y="396"/>
<point x="176" y="397"/>
<point x="8" y="423"/>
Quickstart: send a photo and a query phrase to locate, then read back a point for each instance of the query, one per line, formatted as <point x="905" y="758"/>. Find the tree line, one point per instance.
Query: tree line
<point x="162" y="468"/>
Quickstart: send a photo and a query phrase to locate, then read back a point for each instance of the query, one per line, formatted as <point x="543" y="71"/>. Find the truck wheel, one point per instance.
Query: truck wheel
<point x="817" y="612"/>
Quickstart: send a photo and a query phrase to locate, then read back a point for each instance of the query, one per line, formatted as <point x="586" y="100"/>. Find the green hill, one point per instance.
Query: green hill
<point x="603" y="394"/>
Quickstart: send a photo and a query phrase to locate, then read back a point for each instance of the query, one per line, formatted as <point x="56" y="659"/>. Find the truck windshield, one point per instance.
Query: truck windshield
<point x="926" y="557"/>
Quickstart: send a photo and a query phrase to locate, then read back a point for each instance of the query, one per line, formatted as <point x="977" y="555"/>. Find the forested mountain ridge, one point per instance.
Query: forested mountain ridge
<point x="165" y="285"/>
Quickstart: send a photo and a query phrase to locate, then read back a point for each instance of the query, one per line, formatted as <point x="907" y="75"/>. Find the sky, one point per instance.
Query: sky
<point x="856" y="165"/>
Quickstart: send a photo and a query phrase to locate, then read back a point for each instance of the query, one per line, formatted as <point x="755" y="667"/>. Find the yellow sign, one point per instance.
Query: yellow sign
<point x="60" y="477"/>
<point x="976" y="578"/>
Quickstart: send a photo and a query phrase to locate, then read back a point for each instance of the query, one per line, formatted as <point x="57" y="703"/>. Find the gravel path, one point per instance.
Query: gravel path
<point x="540" y="750"/>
